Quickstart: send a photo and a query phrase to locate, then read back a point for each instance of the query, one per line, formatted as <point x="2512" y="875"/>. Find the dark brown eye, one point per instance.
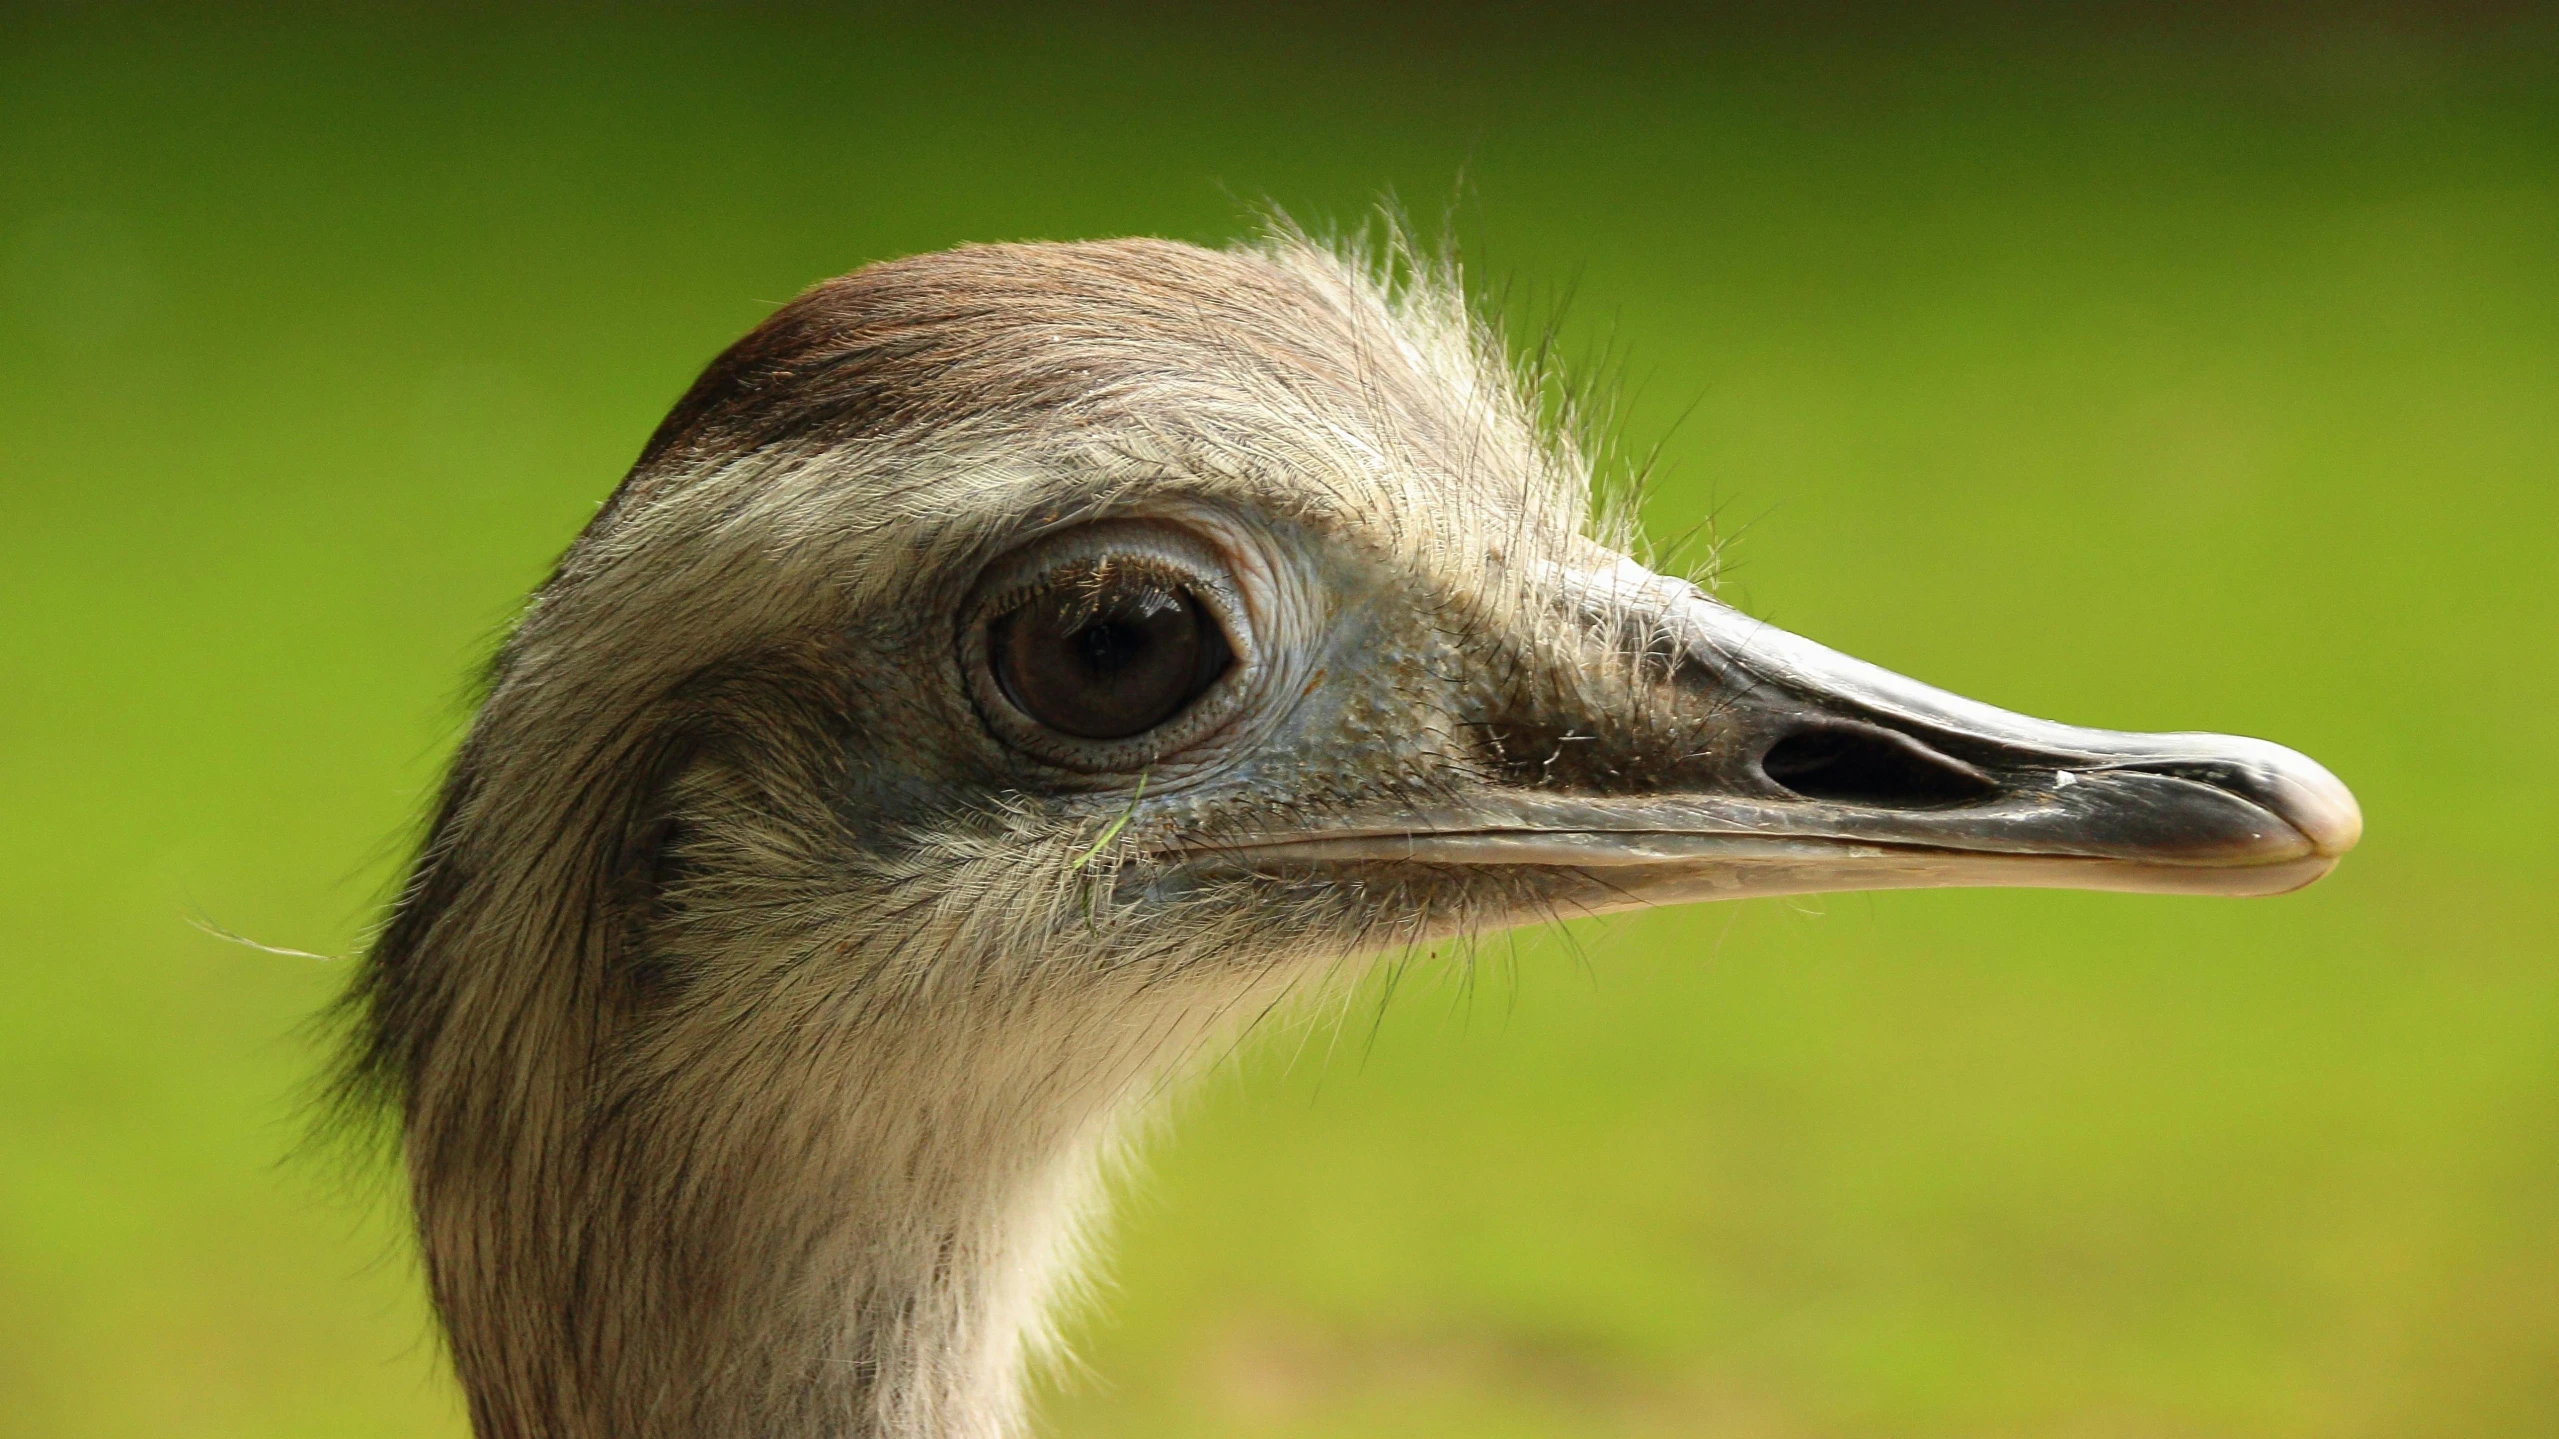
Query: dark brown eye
<point x="1108" y="654"/>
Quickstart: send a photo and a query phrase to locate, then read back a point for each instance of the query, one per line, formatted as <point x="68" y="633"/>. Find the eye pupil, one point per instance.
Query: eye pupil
<point x="1108" y="648"/>
<point x="1108" y="659"/>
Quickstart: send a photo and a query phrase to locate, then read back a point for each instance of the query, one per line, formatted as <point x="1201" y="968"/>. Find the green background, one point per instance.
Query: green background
<point x="2153" y="373"/>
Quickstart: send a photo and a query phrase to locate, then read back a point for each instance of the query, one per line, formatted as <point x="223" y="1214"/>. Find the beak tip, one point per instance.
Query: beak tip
<point x="2318" y="804"/>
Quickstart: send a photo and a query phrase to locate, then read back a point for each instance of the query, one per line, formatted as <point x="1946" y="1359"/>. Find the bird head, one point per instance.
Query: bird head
<point x="1005" y="665"/>
<point x="1128" y="597"/>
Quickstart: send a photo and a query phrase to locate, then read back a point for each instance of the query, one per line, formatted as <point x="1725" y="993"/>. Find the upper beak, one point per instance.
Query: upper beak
<point x="1836" y="774"/>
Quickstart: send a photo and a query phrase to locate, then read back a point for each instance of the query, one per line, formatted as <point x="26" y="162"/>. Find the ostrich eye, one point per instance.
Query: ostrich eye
<point x="1113" y="647"/>
<point x="1109" y="653"/>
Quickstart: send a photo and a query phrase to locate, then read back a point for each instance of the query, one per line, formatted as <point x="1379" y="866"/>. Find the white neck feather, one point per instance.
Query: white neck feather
<point x="797" y="1229"/>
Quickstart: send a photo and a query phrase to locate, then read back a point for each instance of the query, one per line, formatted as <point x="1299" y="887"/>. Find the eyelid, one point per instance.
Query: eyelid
<point x="1067" y="572"/>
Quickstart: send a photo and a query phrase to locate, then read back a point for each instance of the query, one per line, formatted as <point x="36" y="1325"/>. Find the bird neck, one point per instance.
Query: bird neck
<point x="837" y="1230"/>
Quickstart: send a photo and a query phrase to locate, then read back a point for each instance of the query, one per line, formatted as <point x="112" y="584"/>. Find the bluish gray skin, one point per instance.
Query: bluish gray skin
<point x="1831" y="773"/>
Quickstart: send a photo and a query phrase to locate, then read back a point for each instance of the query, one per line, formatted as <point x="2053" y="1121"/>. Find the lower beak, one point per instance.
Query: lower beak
<point x="1840" y="775"/>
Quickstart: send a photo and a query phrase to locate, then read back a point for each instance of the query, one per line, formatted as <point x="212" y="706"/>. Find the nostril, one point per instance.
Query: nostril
<point x="1855" y="764"/>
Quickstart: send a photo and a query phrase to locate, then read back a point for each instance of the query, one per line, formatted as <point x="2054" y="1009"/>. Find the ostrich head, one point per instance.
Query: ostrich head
<point x="1005" y="673"/>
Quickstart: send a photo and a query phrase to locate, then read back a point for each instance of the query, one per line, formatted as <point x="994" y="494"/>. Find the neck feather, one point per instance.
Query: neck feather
<point x="796" y="1219"/>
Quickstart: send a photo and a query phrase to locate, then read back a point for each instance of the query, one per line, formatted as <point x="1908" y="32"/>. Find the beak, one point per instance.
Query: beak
<point x="1828" y="773"/>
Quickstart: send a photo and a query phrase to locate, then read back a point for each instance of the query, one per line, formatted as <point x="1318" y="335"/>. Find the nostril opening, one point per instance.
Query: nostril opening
<point x="1857" y="765"/>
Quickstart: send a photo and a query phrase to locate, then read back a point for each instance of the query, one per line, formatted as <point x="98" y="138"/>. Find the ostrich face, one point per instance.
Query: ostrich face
<point x="1119" y="597"/>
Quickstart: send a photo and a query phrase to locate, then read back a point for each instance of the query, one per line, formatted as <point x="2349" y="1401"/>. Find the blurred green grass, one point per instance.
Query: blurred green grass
<point x="2153" y="377"/>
